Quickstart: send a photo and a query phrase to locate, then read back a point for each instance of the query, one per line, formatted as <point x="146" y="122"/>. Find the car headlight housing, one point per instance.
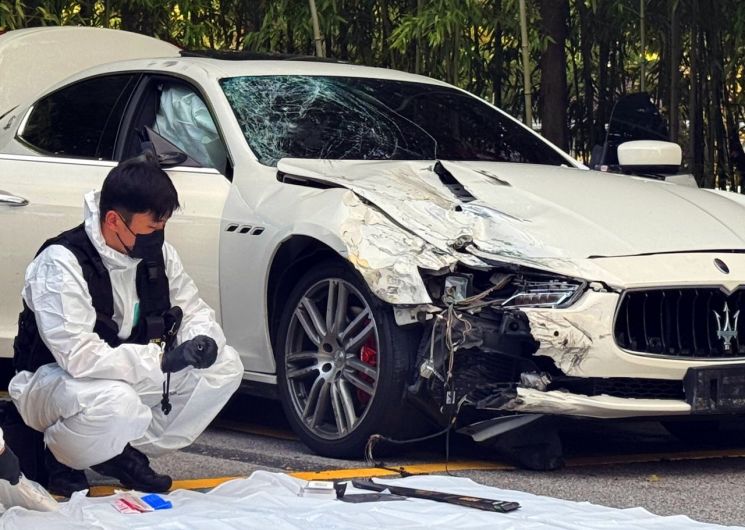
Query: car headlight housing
<point x="549" y="293"/>
<point x="473" y="289"/>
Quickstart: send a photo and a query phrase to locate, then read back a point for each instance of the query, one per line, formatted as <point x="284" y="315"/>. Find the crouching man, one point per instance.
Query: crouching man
<point x="117" y="356"/>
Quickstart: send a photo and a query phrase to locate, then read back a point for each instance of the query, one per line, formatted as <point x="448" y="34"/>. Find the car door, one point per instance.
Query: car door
<point x="172" y="116"/>
<point x="73" y="136"/>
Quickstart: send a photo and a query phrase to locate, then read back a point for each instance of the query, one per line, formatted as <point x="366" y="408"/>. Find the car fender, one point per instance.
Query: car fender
<point x="387" y="257"/>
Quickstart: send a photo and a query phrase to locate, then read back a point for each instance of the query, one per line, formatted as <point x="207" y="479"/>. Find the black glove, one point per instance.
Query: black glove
<point x="199" y="352"/>
<point x="10" y="470"/>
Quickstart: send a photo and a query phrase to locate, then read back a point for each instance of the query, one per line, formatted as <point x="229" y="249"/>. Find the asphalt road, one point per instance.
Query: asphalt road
<point x="620" y="465"/>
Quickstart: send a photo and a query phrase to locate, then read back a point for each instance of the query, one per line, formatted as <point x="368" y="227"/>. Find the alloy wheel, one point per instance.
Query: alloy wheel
<point x="331" y="358"/>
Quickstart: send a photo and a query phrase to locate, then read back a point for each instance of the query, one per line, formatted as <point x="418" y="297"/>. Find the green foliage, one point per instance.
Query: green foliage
<point x="12" y="15"/>
<point x="476" y="45"/>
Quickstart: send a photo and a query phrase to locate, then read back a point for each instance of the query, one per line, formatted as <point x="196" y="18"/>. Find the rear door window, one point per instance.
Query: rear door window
<point x="80" y="120"/>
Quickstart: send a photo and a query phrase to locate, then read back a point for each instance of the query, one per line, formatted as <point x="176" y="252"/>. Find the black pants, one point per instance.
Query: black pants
<point x="26" y="443"/>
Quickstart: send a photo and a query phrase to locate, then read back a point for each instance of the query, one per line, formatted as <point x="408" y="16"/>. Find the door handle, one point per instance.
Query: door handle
<point x="8" y="199"/>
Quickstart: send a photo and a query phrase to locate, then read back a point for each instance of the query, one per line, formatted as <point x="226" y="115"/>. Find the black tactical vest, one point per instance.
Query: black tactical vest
<point x="30" y="352"/>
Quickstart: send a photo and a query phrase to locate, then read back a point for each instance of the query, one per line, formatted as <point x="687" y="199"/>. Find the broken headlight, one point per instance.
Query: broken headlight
<point x="543" y="293"/>
<point x="472" y="289"/>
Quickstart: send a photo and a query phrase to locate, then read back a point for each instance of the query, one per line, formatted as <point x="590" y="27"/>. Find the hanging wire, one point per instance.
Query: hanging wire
<point x="451" y="345"/>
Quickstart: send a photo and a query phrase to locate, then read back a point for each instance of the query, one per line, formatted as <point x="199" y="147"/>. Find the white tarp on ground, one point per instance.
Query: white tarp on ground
<point x="269" y="500"/>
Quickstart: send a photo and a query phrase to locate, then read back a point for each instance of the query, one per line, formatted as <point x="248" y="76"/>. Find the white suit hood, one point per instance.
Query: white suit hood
<point x="112" y="259"/>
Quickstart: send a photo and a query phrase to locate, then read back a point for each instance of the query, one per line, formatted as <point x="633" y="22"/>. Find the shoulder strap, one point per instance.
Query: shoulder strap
<point x="155" y="300"/>
<point x="97" y="277"/>
<point x="94" y="271"/>
<point x="29" y="351"/>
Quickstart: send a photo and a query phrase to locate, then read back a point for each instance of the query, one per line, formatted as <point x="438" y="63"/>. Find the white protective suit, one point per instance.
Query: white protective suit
<point x="96" y="398"/>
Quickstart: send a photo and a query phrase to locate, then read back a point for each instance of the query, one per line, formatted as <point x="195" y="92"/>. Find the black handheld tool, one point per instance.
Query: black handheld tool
<point x="489" y="505"/>
<point x="172" y="320"/>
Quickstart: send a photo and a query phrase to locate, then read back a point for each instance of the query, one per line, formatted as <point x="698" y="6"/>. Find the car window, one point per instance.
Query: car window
<point x="81" y="120"/>
<point x="360" y="119"/>
<point x="184" y="120"/>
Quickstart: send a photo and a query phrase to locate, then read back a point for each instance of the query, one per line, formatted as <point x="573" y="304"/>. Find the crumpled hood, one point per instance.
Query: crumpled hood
<point x="530" y="212"/>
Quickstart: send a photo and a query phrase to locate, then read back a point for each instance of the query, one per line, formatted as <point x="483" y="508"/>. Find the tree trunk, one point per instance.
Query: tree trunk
<point x="130" y="19"/>
<point x="455" y="56"/>
<point x="719" y="163"/>
<point x="387" y="29"/>
<point x="495" y="67"/>
<point x="554" y="14"/>
<point x="86" y="12"/>
<point x="601" y="118"/>
<point x="585" y="42"/>
<point x="343" y="38"/>
<point x="418" y="41"/>
<point x="695" y="133"/>
<point x="675" y="53"/>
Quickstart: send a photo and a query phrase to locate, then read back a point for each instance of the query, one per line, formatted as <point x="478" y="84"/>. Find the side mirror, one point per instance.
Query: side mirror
<point x="650" y="158"/>
<point x="172" y="158"/>
<point x="168" y="154"/>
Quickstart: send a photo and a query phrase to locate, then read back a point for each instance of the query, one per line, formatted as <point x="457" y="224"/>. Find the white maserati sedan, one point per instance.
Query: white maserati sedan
<point x="383" y="247"/>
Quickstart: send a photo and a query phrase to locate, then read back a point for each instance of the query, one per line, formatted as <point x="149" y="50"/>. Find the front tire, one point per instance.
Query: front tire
<point x="342" y="362"/>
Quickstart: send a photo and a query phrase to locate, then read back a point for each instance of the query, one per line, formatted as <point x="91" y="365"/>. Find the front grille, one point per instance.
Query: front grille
<point x="474" y="369"/>
<point x="698" y="323"/>
<point x="623" y="387"/>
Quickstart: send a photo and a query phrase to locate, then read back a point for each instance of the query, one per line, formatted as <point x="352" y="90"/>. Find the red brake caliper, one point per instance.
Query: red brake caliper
<point x="368" y="355"/>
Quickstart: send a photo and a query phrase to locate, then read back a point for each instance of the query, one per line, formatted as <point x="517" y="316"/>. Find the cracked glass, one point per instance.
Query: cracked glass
<point x="352" y="118"/>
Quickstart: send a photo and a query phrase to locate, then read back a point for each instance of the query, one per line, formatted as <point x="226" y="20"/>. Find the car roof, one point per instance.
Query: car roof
<point x="204" y="68"/>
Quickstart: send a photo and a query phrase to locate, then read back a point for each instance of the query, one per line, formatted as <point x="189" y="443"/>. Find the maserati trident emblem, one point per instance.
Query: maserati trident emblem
<point x="728" y="331"/>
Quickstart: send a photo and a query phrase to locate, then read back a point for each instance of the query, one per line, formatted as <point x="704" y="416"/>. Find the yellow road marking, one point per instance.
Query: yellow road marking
<point x="333" y="474"/>
<point x="422" y="469"/>
<point x="191" y="484"/>
<point x="256" y="429"/>
<point x="415" y="469"/>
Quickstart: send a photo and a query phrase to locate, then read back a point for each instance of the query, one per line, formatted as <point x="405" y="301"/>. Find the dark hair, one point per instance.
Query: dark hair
<point x="138" y="185"/>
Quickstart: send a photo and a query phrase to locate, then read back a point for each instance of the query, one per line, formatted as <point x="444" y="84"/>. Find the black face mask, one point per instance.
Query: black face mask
<point x="147" y="246"/>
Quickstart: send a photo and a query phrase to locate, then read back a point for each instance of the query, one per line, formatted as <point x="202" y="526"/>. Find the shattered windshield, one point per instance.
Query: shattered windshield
<point x="351" y="118"/>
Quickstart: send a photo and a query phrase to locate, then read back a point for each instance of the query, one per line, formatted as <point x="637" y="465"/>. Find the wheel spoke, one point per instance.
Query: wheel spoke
<point x="297" y="373"/>
<point x="331" y="301"/>
<point x="301" y="356"/>
<point x="366" y="369"/>
<point x="347" y="403"/>
<point x="362" y="317"/>
<point x="359" y="339"/>
<point x="342" y="299"/>
<point x="337" y="407"/>
<point x="310" y="403"/>
<point x="359" y="383"/>
<point x="302" y="317"/>
<point x="315" y="316"/>
<point x="322" y="405"/>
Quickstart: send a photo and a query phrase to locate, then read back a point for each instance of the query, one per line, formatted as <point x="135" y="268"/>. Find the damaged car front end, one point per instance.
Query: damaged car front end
<point x="481" y="345"/>
<point x="516" y="332"/>
<point x="525" y="279"/>
<point x="509" y="350"/>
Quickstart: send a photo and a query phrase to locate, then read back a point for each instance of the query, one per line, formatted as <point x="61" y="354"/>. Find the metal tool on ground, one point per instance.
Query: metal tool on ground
<point x="489" y="505"/>
<point x="356" y="498"/>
